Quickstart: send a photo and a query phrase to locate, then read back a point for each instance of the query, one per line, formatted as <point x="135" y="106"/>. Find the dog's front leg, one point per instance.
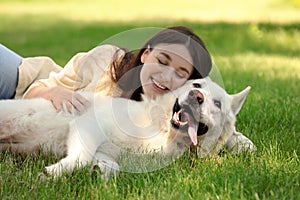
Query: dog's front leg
<point x="64" y="165"/>
<point x="238" y="143"/>
<point x="82" y="145"/>
<point x="78" y="156"/>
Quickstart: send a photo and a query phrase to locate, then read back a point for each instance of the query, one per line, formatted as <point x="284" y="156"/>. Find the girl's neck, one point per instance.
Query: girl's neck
<point x="130" y="84"/>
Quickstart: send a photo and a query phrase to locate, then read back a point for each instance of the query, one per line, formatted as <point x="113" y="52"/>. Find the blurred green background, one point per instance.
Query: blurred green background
<point x="60" y="28"/>
<point x="132" y="10"/>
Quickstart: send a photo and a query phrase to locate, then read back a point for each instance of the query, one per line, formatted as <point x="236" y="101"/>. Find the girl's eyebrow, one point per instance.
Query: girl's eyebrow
<point x="166" y="55"/>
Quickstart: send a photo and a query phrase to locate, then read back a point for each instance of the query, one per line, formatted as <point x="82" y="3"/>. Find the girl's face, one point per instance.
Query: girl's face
<point x="166" y="67"/>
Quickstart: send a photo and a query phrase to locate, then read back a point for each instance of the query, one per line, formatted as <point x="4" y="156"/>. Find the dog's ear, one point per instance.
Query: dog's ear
<point x="238" y="100"/>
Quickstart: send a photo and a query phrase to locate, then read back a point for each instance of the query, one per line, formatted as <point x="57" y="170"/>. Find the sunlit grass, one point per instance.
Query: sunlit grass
<point x="134" y="10"/>
<point x="269" y="67"/>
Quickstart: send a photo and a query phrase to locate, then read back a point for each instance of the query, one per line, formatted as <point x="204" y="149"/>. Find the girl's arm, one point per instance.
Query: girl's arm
<point x="82" y="72"/>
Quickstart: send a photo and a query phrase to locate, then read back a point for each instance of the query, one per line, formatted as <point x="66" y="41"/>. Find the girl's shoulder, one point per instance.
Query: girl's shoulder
<point x="107" y="50"/>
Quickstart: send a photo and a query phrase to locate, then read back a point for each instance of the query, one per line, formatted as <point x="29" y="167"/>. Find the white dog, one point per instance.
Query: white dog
<point x="200" y="113"/>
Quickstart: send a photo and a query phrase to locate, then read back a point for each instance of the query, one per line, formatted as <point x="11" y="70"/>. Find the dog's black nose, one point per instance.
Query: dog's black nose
<point x="195" y="94"/>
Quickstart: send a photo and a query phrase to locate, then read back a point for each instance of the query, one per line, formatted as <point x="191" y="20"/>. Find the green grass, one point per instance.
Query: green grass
<point x="264" y="55"/>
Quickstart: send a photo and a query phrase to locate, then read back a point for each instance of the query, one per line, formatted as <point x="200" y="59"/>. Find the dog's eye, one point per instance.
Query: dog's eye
<point x="197" y="85"/>
<point x="217" y="103"/>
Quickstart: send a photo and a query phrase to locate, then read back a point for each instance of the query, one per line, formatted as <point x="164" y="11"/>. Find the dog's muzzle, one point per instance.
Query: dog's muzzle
<point x="184" y="119"/>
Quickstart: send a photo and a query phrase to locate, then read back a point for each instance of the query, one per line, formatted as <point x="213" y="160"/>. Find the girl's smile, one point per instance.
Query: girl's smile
<point x="158" y="86"/>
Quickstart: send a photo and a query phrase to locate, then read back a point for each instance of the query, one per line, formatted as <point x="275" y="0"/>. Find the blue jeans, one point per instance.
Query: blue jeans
<point x="9" y="63"/>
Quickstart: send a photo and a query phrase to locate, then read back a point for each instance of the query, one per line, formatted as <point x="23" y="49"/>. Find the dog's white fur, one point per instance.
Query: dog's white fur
<point x="113" y="124"/>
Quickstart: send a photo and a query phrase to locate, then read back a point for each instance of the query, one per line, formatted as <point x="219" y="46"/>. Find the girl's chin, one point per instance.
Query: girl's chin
<point x="153" y="93"/>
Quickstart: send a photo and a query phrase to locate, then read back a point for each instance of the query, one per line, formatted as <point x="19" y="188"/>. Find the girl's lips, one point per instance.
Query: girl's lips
<point x="158" y="85"/>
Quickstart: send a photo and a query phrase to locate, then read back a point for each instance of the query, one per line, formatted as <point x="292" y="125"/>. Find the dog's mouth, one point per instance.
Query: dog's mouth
<point x="184" y="119"/>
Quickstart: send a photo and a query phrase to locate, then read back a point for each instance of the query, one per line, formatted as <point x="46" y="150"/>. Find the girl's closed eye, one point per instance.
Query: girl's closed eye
<point x="180" y="75"/>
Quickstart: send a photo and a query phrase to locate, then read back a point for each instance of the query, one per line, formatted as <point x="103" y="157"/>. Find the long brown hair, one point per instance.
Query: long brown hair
<point x="131" y="61"/>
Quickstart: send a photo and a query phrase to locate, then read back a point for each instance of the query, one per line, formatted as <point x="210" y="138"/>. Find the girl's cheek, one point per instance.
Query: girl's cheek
<point x="178" y="84"/>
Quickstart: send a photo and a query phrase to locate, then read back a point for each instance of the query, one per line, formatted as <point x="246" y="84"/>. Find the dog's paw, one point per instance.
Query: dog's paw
<point x="239" y="143"/>
<point x="106" y="165"/>
<point x="53" y="170"/>
<point x="107" y="169"/>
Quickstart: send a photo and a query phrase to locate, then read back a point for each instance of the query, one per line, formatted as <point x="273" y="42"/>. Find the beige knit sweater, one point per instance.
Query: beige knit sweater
<point x="87" y="71"/>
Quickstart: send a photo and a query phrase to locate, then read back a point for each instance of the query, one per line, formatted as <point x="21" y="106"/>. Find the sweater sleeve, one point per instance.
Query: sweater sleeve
<point x="83" y="71"/>
<point x="32" y="69"/>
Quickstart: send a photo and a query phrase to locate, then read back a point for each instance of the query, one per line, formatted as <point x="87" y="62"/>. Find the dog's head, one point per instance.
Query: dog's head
<point x="206" y="113"/>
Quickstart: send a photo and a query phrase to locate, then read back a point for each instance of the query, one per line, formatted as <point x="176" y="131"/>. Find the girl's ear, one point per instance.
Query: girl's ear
<point x="145" y="54"/>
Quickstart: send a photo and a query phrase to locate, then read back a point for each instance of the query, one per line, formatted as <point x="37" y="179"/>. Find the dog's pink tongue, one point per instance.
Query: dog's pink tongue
<point x="192" y="130"/>
<point x="193" y="134"/>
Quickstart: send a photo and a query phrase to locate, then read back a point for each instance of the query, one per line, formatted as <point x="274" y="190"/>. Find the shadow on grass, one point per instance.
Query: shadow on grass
<point x="60" y="39"/>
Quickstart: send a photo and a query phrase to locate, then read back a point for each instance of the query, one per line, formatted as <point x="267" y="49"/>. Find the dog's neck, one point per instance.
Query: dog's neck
<point x="164" y="102"/>
<point x="160" y="108"/>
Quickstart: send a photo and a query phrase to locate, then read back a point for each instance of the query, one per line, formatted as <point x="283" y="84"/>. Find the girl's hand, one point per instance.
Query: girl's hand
<point x="61" y="98"/>
<point x="64" y="99"/>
